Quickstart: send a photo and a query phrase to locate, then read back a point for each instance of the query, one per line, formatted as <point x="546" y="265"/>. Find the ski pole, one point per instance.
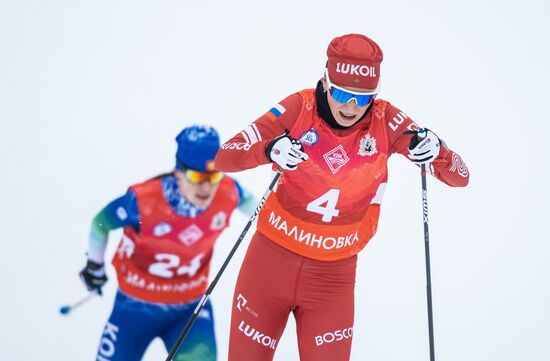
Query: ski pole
<point x="427" y="253"/>
<point x="204" y="298"/>
<point x="65" y="310"/>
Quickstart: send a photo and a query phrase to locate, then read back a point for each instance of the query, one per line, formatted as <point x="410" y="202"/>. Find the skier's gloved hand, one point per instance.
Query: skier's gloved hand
<point x="93" y="276"/>
<point x="424" y="146"/>
<point x="286" y="151"/>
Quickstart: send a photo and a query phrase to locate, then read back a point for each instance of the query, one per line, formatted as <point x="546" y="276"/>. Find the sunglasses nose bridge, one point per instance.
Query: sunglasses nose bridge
<point x="354" y="99"/>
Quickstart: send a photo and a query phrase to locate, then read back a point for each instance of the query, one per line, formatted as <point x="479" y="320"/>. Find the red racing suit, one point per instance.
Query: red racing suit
<point x="323" y="213"/>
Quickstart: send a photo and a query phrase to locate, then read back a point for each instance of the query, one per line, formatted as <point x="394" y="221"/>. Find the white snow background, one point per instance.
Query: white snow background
<point x="92" y="94"/>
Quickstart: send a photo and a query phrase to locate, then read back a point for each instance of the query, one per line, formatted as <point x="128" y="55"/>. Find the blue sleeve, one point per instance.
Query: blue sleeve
<point x="121" y="212"/>
<point x="247" y="202"/>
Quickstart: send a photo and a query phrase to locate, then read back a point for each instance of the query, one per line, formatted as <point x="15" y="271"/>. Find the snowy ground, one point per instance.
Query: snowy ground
<point x="93" y="93"/>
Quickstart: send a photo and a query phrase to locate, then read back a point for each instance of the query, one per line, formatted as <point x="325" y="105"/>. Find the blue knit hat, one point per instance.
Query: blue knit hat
<point x="197" y="147"/>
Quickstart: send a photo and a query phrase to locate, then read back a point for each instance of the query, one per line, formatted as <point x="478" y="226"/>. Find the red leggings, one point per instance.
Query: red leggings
<point x="273" y="282"/>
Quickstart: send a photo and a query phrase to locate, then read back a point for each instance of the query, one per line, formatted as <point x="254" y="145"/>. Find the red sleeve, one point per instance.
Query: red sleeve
<point x="247" y="148"/>
<point x="448" y="167"/>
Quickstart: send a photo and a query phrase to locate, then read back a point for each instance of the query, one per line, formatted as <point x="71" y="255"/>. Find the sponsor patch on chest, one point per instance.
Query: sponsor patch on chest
<point x="336" y="158"/>
<point x="310" y="137"/>
<point x="162" y="229"/>
<point x="218" y="221"/>
<point x="367" y="146"/>
<point x="191" y="235"/>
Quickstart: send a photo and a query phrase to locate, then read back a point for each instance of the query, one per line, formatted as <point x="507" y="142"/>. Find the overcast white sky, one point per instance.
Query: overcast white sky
<point x="92" y="95"/>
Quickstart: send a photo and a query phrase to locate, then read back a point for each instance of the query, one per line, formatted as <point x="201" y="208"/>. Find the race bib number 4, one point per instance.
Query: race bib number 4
<point x="325" y="205"/>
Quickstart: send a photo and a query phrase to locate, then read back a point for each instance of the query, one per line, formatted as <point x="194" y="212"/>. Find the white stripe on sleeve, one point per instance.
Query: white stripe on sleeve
<point x="246" y="138"/>
<point x="251" y="134"/>
<point x="257" y="132"/>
